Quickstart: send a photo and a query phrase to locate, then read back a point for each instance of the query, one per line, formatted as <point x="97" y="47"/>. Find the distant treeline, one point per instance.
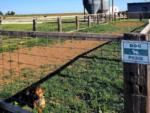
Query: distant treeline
<point x="45" y="15"/>
<point x="7" y="13"/>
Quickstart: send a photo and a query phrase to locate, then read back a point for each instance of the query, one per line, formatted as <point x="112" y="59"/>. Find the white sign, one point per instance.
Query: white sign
<point x="136" y="52"/>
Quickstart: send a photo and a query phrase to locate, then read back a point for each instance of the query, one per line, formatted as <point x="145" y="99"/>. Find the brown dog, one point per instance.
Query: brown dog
<point x="39" y="103"/>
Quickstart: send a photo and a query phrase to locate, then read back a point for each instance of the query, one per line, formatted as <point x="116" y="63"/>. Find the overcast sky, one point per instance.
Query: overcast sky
<point x="51" y="6"/>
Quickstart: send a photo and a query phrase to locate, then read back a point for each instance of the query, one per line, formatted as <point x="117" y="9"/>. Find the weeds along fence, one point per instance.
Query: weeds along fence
<point x="85" y="70"/>
<point x="57" y="23"/>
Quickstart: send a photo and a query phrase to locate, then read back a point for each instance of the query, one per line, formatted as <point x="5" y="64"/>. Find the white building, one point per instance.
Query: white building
<point x="116" y="10"/>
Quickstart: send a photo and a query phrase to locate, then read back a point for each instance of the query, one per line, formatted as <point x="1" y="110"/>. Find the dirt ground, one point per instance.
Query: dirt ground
<point x="128" y="24"/>
<point x="37" y="58"/>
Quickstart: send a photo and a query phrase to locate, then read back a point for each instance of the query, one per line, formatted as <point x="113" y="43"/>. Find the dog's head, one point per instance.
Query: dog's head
<point x="39" y="92"/>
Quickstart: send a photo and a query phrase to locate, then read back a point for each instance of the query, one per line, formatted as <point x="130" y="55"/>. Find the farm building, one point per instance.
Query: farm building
<point x="139" y="10"/>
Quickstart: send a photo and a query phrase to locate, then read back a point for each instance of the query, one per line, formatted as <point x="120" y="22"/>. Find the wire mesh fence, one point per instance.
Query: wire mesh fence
<point x="94" y="83"/>
<point x="91" y="83"/>
<point x="26" y="59"/>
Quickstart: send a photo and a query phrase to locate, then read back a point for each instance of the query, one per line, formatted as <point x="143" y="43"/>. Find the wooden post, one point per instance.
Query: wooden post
<point x="93" y="20"/>
<point x="97" y="18"/>
<point x="109" y="17"/>
<point x="84" y="14"/>
<point x="77" y="23"/>
<point x="34" y="25"/>
<point x="118" y="15"/>
<point x="105" y="17"/>
<point x="59" y="21"/>
<point x="101" y="16"/>
<point x="140" y="17"/>
<point x="115" y="16"/>
<point x="0" y="20"/>
<point x="123" y="15"/>
<point x="89" y="21"/>
<point x="136" y="83"/>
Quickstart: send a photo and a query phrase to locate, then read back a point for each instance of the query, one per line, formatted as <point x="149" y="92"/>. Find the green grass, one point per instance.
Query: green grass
<point x="88" y="85"/>
<point x="13" y="43"/>
<point x="17" y="27"/>
<point x="115" y="27"/>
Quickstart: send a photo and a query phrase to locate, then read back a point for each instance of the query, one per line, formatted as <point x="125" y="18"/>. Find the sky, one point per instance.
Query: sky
<point x="51" y="6"/>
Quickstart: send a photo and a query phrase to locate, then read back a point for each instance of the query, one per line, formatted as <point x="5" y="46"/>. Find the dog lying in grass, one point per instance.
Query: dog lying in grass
<point x="39" y="103"/>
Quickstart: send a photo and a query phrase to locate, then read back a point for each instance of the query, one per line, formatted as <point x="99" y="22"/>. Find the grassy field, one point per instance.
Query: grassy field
<point x="39" y="15"/>
<point x="92" y="84"/>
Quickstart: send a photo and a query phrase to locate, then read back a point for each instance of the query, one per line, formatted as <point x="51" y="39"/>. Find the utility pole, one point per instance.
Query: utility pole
<point x="93" y="6"/>
<point x="102" y="6"/>
<point x="112" y="9"/>
<point x="109" y="10"/>
<point x="84" y="10"/>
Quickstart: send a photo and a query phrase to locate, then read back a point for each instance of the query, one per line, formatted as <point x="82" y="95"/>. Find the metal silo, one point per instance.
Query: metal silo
<point x="104" y="7"/>
<point x="92" y="6"/>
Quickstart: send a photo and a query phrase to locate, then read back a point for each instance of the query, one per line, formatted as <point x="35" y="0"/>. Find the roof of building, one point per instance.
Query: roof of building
<point x="139" y="3"/>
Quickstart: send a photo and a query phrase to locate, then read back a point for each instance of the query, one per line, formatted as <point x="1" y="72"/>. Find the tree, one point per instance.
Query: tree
<point x="1" y="13"/>
<point x="10" y="13"/>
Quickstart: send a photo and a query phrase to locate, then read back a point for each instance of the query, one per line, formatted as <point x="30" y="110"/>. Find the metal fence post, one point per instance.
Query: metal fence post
<point x="136" y="83"/>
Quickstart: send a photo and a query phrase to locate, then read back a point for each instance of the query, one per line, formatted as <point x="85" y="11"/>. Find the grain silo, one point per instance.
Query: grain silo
<point x="95" y="6"/>
<point x="104" y="7"/>
<point x="92" y="6"/>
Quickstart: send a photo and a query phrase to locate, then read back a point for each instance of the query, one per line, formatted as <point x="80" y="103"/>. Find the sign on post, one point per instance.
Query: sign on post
<point x="136" y="52"/>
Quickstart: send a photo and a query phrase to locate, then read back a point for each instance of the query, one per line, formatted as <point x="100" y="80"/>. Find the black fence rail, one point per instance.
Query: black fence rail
<point x="75" y="36"/>
<point x="8" y="108"/>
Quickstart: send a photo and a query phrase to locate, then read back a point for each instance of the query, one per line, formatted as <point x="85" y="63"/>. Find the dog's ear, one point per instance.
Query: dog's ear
<point x="43" y="90"/>
<point x="34" y="89"/>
